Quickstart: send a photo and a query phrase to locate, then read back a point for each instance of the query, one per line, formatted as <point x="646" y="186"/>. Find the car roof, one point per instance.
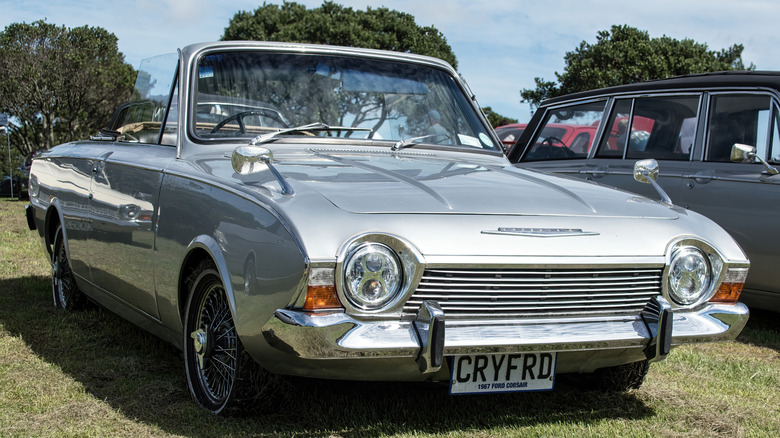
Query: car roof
<point x="722" y="79"/>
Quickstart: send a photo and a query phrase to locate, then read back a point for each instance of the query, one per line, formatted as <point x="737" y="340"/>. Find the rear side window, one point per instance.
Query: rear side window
<point x="738" y="118"/>
<point x="567" y="132"/>
<point x="663" y="128"/>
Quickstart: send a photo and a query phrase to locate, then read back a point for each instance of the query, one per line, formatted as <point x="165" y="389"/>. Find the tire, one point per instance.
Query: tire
<point x="613" y="379"/>
<point x="221" y="376"/>
<point x="65" y="291"/>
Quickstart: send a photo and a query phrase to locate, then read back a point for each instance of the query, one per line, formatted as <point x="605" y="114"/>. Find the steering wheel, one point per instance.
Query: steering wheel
<point x="552" y="151"/>
<point x="239" y="117"/>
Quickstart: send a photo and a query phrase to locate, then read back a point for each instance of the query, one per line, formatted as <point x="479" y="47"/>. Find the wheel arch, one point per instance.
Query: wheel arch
<point x="203" y="248"/>
<point x="52" y="220"/>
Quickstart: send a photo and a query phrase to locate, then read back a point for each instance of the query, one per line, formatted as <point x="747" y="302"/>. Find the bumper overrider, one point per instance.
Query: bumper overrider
<point x="417" y="348"/>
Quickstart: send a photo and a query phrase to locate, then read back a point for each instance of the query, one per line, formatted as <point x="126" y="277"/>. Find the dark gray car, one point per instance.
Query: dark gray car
<point x="690" y="125"/>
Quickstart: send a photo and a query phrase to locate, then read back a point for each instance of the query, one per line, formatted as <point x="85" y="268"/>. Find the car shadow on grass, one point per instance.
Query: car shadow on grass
<point x="762" y="329"/>
<point x="142" y="378"/>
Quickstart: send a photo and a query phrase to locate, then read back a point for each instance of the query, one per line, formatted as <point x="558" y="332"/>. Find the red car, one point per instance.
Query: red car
<point x="576" y="138"/>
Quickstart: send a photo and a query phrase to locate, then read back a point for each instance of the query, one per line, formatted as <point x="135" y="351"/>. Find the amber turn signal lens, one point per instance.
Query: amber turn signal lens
<point x="727" y="293"/>
<point x="321" y="298"/>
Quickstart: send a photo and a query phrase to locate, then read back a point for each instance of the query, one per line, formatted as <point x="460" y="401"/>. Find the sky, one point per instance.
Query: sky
<point x="500" y="45"/>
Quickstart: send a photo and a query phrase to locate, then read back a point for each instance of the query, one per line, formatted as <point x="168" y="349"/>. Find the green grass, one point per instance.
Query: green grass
<point x="89" y="373"/>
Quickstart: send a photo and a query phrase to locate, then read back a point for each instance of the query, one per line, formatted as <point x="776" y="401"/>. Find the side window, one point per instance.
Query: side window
<point x="775" y="157"/>
<point x="737" y="118"/>
<point x="566" y="132"/>
<point x="140" y="120"/>
<point x="652" y="127"/>
<point x="614" y="140"/>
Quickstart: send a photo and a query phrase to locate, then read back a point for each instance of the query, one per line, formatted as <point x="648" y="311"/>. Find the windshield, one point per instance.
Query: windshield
<point x="243" y="94"/>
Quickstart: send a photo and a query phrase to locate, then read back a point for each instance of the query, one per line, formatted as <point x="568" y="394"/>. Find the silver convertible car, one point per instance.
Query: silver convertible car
<point x="282" y="209"/>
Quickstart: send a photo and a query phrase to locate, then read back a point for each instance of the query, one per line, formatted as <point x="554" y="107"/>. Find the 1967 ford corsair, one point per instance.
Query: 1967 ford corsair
<point x="343" y="213"/>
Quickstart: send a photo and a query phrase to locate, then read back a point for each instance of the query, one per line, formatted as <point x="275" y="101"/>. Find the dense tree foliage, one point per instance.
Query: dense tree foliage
<point x="374" y="28"/>
<point x="496" y="119"/>
<point x="59" y="84"/>
<point x="626" y="55"/>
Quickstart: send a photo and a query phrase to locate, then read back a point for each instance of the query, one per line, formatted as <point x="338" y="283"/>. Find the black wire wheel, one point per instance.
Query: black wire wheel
<point x="65" y="291"/>
<point x="219" y="372"/>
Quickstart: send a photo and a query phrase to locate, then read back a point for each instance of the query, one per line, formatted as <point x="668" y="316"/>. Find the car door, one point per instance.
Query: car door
<point x="742" y="198"/>
<point x="125" y="193"/>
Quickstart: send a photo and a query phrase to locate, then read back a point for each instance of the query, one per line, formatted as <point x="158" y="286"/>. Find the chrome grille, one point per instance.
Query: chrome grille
<point x="529" y="292"/>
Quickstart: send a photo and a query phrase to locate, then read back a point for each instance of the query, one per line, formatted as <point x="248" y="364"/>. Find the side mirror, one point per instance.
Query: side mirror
<point x="247" y="160"/>
<point x="646" y="171"/>
<point x="743" y="153"/>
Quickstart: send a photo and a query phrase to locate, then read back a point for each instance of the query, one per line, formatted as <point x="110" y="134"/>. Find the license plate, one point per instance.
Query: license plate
<point x="488" y="373"/>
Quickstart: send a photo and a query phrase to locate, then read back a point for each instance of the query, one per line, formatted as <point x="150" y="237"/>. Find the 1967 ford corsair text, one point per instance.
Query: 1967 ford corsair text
<point x="343" y="213"/>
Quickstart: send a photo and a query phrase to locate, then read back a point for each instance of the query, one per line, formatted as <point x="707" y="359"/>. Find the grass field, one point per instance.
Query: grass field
<point x="89" y="373"/>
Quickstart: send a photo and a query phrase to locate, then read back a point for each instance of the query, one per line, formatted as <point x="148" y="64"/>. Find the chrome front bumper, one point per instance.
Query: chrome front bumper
<point x="318" y="339"/>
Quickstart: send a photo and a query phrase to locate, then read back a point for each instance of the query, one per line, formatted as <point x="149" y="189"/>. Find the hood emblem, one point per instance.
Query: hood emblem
<point x="541" y="232"/>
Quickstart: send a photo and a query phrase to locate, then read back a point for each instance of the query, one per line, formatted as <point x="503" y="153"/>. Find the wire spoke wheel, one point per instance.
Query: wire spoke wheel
<point x="219" y="372"/>
<point x="216" y="344"/>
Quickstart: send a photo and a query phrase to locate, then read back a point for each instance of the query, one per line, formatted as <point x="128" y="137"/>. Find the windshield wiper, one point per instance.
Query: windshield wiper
<point x="409" y="142"/>
<point x="318" y="126"/>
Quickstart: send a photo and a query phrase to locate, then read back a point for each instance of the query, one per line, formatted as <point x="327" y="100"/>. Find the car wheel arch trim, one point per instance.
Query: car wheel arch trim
<point x="53" y="217"/>
<point x="211" y="247"/>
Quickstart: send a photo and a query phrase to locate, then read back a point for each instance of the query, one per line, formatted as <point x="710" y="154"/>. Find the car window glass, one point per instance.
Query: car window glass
<point x="139" y="120"/>
<point x="566" y="132"/>
<point x="614" y="140"/>
<point x="662" y="128"/>
<point x="737" y="118"/>
<point x="775" y="157"/>
<point x="240" y="95"/>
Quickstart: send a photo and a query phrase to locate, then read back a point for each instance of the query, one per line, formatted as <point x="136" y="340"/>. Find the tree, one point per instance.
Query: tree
<point x="497" y="119"/>
<point x="59" y="84"/>
<point x="627" y="55"/>
<point x="379" y="28"/>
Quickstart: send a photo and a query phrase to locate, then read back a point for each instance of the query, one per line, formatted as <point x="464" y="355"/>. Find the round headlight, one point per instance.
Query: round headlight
<point x="372" y="276"/>
<point x="689" y="275"/>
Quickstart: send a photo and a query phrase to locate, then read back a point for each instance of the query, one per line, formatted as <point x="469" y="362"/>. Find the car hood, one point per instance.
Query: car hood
<point x="453" y="204"/>
<point x="420" y="183"/>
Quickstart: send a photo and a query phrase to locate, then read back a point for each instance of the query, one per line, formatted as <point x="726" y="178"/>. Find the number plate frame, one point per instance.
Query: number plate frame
<point x="495" y="373"/>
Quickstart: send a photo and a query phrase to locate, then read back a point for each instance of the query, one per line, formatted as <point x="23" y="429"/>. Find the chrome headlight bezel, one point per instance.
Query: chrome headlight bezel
<point x="684" y="258"/>
<point x="409" y="263"/>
